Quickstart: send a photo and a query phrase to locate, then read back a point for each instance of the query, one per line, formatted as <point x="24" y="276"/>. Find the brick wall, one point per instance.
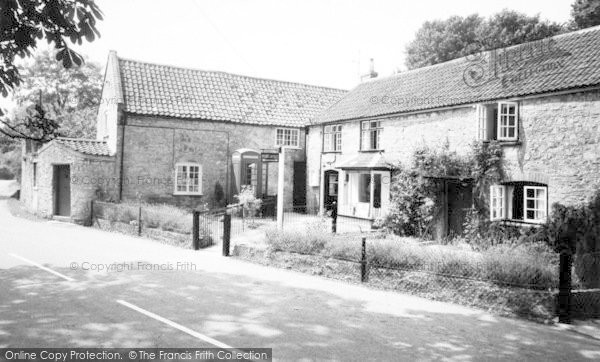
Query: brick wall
<point x="153" y="145"/>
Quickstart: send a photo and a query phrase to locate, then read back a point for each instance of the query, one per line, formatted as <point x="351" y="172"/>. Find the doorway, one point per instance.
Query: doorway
<point x="331" y="189"/>
<point x="299" y="187"/>
<point x="460" y="200"/>
<point x="62" y="190"/>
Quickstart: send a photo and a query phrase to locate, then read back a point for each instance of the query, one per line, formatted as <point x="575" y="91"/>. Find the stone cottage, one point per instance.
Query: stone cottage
<point x="180" y="136"/>
<point x="539" y="100"/>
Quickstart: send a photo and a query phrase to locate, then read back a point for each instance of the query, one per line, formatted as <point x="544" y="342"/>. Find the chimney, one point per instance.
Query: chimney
<point x="372" y="72"/>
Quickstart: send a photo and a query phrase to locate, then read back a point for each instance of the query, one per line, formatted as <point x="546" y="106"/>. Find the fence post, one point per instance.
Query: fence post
<point x="334" y="215"/>
<point x="139" y="220"/>
<point x="92" y="213"/>
<point x="363" y="261"/>
<point x="196" y="230"/>
<point x="226" y="233"/>
<point x="564" y="287"/>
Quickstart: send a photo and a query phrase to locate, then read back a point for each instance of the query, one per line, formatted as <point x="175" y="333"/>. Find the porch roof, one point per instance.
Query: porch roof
<point x="366" y="161"/>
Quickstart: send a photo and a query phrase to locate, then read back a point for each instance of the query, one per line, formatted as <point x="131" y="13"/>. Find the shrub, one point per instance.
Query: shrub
<point x="167" y="217"/>
<point x="247" y="199"/>
<point x="124" y="213"/>
<point x="522" y="264"/>
<point x="576" y="229"/>
<point x="307" y="239"/>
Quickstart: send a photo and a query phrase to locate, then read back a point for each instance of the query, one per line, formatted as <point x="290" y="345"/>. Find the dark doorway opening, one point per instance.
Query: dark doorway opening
<point x="331" y="189"/>
<point x="62" y="190"/>
<point x="460" y="200"/>
<point x="299" y="188"/>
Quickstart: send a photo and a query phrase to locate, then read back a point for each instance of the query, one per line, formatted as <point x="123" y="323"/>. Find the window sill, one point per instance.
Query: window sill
<point x="371" y="151"/>
<point x="332" y="152"/>
<point x="289" y="147"/>
<point x="187" y="194"/>
<point x="520" y="222"/>
<point x="506" y="143"/>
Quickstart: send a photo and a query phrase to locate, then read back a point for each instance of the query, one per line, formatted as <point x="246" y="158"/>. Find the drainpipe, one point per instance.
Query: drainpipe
<point x="121" y="123"/>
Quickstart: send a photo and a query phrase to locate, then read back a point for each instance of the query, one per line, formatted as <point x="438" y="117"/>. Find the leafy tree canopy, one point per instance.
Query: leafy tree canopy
<point x="442" y="40"/>
<point x="25" y="22"/>
<point x="70" y="97"/>
<point x="585" y="13"/>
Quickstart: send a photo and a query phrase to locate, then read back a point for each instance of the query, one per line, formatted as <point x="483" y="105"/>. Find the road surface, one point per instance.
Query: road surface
<point x="52" y="296"/>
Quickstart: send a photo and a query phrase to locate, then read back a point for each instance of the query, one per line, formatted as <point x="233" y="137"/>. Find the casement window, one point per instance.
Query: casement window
<point x="507" y="121"/>
<point x="499" y="121"/>
<point x="332" y="138"/>
<point x="534" y="204"/>
<point x="497" y="202"/>
<point x="521" y="202"/>
<point x="288" y="137"/>
<point x="188" y="179"/>
<point x="370" y="135"/>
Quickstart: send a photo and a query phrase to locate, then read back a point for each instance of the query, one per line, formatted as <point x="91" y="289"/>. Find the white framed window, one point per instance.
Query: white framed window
<point x="535" y="207"/>
<point x="508" y="115"/>
<point x="519" y="202"/>
<point x="332" y="138"/>
<point x="482" y="122"/>
<point x="288" y="137"/>
<point x="370" y="135"/>
<point x="188" y="179"/>
<point x="497" y="202"/>
<point x="498" y="121"/>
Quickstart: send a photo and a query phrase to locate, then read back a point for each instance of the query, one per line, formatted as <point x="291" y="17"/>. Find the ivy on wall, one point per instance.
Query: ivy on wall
<point x="414" y="192"/>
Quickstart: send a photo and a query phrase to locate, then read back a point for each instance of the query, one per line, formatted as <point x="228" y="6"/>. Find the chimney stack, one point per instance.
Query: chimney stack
<point x="372" y="72"/>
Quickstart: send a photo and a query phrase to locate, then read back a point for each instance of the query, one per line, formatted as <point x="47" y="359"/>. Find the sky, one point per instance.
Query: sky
<point x="320" y="42"/>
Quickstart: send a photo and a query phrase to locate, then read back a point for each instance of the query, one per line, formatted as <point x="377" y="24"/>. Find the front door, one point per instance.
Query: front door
<point x="299" y="187"/>
<point x="62" y="190"/>
<point x="331" y="188"/>
<point x="460" y="200"/>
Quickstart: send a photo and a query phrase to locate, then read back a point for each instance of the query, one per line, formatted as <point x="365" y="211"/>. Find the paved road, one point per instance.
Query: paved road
<point x="229" y="302"/>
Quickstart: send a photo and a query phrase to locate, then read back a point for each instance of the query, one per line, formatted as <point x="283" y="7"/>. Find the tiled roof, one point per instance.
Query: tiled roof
<point x="563" y="62"/>
<point x="85" y="146"/>
<point x="152" y="89"/>
<point x="366" y="161"/>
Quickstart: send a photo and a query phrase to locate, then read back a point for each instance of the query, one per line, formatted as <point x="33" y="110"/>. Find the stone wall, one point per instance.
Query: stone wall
<point x="153" y="145"/>
<point x="559" y="143"/>
<point x="91" y="177"/>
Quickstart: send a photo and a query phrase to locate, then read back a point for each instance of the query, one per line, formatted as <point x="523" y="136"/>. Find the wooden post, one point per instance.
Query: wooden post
<point x="226" y="233"/>
<point x="334" y="216"/>
<point x="564" y="287"/>
<point x="139" y="220"/>
<point x="196" y="230"/>
<point x="280" y="182"/>
<point x="91" y="213"/>
<point x="363" y="261"/>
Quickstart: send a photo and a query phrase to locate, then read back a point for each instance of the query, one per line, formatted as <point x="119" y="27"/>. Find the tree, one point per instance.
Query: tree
<point x="67" y="98"/>
<point x="442" y="40"/>
<point x="585" y="13"/>
<point x="22" y="24"/>
<point x="509" y="27"/>
<point x="70" y="97"/>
